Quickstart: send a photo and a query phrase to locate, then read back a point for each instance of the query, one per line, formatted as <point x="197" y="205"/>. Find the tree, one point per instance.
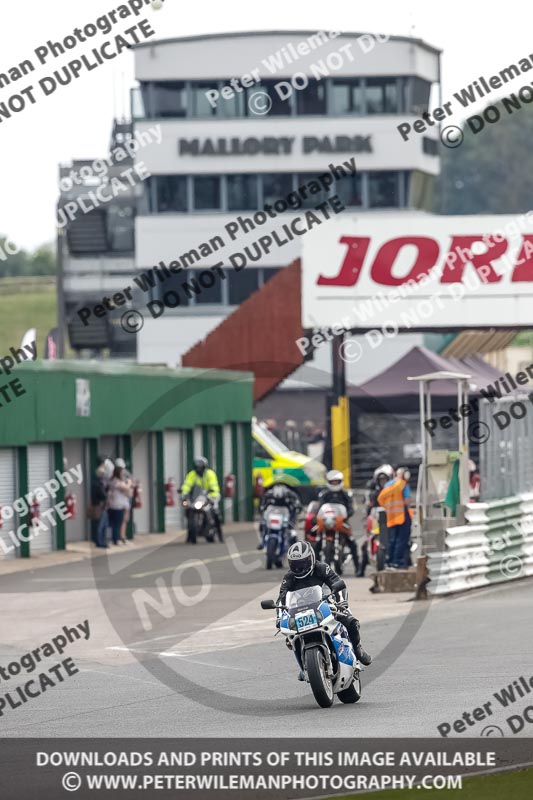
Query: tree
<point x="491" y="171"/>
<point x="41" y="262"/>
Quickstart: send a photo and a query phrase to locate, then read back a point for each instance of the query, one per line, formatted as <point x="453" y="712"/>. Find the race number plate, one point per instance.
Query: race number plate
<point x="305" y="620"/>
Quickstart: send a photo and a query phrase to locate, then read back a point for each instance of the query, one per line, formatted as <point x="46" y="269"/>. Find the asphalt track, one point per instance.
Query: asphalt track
<point x="202" y="659"/>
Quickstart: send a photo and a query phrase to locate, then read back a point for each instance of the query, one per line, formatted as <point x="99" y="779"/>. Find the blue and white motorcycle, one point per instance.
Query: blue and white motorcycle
<point x="276" y="534"/>
<point x="321" y="645"/>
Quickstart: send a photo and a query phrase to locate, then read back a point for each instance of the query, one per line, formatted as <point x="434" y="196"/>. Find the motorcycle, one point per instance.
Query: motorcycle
<point x="331" y="525"/>
<point x="276" y="534"/>
<point x="200" y="506"/>
<point x="321" y="645"/>
<point x="371" y="552"/>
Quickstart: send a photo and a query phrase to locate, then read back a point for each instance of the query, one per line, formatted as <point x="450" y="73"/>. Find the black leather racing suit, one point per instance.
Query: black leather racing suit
<point x="344" y="498"/>
<point x="323" y="574"/>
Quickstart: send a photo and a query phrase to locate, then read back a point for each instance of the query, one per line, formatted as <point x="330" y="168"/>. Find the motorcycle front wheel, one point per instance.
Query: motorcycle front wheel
<point x="271" y="552"/>
<point x="353" y="693"/>
<point x="321" y="685"/>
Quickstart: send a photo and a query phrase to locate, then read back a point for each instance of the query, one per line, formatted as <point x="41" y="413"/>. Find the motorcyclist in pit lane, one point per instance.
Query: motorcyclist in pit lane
<point x="206" y="479"/>
<point x="334" y="492"/>
<point x="305" y="571"/>
<point x="279" y="494"/>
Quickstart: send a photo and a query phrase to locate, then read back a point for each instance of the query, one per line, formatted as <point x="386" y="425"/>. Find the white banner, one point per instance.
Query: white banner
<point x="418" y="272"/>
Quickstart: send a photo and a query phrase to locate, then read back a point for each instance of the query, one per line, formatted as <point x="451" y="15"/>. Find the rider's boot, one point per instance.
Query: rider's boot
<point x="362" y="655"/>
<point x="301" y="675"/>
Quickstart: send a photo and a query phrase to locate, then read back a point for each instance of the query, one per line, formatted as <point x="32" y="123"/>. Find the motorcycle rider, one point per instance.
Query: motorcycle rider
<point x="207" y="480"/>
<point x="279" y="495"/>
<point x="304" y="572"/>
<point x="381" y="476"/>
<point x="334" y="492"/>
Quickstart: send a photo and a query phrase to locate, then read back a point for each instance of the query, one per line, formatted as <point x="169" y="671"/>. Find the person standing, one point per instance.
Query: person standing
<point x="395" y="498"/>
<point x="119" y="462"/>
<point x="118" y="502"/>
<point x="99" y="517"/>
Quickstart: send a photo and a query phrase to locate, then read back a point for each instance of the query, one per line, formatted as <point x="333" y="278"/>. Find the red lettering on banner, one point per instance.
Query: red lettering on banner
<point x="352" y="264"/>
<point x="461" y="254"/>
<point x="523" y="270"/>
<point x="426" y="258"/>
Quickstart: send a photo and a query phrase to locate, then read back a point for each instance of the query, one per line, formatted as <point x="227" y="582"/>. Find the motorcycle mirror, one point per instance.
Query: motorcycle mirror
<point x="268" y="604"/>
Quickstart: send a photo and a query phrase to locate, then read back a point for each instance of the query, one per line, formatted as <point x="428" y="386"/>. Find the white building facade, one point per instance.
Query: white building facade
<point x="247" y="119"/>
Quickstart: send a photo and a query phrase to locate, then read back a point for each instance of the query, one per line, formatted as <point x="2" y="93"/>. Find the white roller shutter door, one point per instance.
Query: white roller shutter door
<point x="41" y="470"/>
<point x="228" y="468"/>
<point x="173" y="461"/>
<point x="8" y="494"/>
<point x="198" y="447"/>
<point x="73" y="452"/>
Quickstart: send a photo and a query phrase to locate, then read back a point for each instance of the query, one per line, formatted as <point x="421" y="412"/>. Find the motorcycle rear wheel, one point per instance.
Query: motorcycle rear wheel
<point x="321" y="685"/>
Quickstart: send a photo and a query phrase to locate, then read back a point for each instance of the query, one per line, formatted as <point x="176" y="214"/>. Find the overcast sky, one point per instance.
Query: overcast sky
<point x="75" y="122"/>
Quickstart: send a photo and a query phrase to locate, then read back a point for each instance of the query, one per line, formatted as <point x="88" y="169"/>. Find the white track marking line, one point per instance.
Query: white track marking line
<point x="170" y="654"/>
<point x="197" y="563"/>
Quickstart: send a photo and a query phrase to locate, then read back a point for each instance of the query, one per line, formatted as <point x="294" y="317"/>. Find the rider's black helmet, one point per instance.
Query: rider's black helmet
<point x="301" y="558"/>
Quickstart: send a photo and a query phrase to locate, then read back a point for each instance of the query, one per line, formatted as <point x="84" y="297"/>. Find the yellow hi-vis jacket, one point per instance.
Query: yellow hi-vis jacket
<point x="208" y="482"/>
<point x="392" y="500"/>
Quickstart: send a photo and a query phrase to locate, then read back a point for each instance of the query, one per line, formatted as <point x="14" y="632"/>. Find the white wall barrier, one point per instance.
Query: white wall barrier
<point x="494" y="546"/>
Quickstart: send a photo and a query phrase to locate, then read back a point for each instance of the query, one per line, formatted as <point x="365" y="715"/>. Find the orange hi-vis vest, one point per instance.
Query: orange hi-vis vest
<point x="392" y="500"/>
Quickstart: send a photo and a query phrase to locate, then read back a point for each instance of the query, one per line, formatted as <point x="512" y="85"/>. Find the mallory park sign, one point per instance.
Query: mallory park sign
<point x="273" y="145"/>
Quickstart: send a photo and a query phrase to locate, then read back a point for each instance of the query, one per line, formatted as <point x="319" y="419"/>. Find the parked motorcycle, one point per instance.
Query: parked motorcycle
<point x="276" y="534"/>
<point x="321" y="645"/>
<point x="331" y="525"/>
<point x="200" y="506"/>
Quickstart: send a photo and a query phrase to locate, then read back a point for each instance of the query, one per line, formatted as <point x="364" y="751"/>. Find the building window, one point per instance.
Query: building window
<point x="276" y="187"/>
<point x="241" y="285"/>
<point x="206" y="193"/>
<point x="346" y="97"/>
<point x="312" y="99"/>
<point x="170" y="99"/>
<point x="278" y="105"/>
<point x="174" y="283"/>
<point x="201" y="107"/>
<point x="202" y="291"/>
<point x="382" y="96"/>
<point x="383" y="189"/>
<point x="171" y="193"/>
<point x="242" y="192"/>
<point x="350" y="190"/>
<point x="269" y="272"/>
<point x="420" y="96"/>
<point x="311" y="200"/>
